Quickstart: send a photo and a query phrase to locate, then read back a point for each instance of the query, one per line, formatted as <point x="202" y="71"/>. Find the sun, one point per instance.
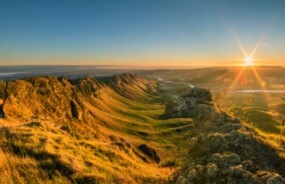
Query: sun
<point x="248" y="61"/>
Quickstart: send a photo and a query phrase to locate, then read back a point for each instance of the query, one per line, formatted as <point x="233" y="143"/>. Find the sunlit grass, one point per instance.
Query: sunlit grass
<point x="24" y="169"/>
<point x="261" y="116"/>
<point x="275" y="140"/>
<point x="96" y="150"/>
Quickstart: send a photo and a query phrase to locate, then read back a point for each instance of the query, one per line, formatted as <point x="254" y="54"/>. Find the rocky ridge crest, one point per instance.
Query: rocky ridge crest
<point x="222" y="149"/>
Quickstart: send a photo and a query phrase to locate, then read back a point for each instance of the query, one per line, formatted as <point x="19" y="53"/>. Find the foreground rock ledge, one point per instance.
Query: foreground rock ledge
<point x="221" y="149"/>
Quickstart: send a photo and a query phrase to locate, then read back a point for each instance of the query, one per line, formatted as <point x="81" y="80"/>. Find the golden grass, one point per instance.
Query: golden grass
<point x="21" y="170"/>
<point x="92" y="158"/>
<point x="276" y="141"/>
<point x="77" y="151"/>
<point x="102" y="147"/>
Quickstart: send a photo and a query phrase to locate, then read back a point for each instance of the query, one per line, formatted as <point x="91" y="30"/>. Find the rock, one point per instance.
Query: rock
<point x="198" y="93"/>
<point x="181" y="180"/>
<point x="215" y="141"/>
<point x="197" y="103"/>
<point x="192" y="175"/>
<point x="193" y="142"/>
<point x="225" y="160"/>
<point x="223" y="150"/>
<point x="200" y="168"/>
<point x="249" y="165"/>
<point x="229" y="127"/>
<point x="212" y="170"/>
<point x="237" y="171"/>
<point x="276" y="179"/>
<point x="221" y="117"/>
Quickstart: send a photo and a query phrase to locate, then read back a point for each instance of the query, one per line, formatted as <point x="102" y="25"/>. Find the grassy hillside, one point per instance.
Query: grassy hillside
<point x="222" y="77"/>
<point x="262" y="111"/>
<point x="90" y="132"/>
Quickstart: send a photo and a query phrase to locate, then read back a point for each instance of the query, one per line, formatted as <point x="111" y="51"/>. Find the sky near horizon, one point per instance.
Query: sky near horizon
<point x="141" y="32"/>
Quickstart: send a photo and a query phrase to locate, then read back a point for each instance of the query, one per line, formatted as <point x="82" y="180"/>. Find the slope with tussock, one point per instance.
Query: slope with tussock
<point x="87" y="131"/>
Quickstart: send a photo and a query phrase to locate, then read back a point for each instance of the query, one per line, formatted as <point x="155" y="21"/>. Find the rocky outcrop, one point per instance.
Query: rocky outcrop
<point x="197" y="103"/>
<point x="40" y="97"/>
<point x="61" y="99"/>
<point x="222" y="150"/>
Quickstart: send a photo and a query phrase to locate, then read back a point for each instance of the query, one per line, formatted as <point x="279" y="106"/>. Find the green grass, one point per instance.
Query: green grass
<point x="254" y="109"/>
<point x="264" y="112"/>
<point x="104" y="149"/>
<point x="260" y="119"/>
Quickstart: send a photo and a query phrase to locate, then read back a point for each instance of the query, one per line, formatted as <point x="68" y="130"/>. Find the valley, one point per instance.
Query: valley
<point x="129" y="128"/>
<point x="256" y="95"/>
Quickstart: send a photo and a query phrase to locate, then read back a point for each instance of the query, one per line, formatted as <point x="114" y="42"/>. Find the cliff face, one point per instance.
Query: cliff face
<point x="221" y="149"/>
<point x="60" y="99"/>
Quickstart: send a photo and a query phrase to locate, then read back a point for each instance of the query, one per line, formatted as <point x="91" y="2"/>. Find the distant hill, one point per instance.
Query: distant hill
<point x="222" y="77"/>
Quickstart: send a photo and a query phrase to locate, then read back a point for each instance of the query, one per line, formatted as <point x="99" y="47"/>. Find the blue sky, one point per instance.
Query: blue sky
<point x="138" y="32"/>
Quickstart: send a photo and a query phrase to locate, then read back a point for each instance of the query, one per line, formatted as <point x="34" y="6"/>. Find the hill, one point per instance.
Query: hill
<point x="57" y="130"/>
<point x="222" y="77"/>
<point x="254" y="94"/>
<point x="126" y="129"/>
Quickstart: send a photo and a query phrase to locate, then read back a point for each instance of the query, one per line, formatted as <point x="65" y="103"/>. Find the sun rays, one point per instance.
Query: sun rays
<point x="261" y="84"/>
<point x="240" y="80"/>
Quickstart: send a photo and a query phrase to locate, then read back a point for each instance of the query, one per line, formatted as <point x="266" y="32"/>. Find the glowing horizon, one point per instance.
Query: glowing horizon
<point x="147" y="33"/>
